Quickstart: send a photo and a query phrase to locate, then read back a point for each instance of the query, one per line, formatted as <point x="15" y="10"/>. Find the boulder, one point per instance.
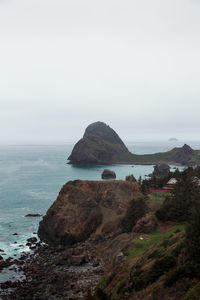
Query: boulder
<point x="108" y="174"/>
<point x="84" y="208"/>
<point x="119" y="258"/>
<point x="32" y="240"/>
<point x="76" y="260"/>
<point x="161" y="170"/>
<point x="130" y="178"/>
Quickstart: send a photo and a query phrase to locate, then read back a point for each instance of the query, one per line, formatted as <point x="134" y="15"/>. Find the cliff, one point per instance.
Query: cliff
<point x="101" y="145"/>
<point x="84" y="208"/>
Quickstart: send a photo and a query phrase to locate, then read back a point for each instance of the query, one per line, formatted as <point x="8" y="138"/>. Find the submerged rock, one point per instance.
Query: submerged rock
<point x="84" y="208"/>
<point x="108" y="174"/>
<point x="33" y="215"/>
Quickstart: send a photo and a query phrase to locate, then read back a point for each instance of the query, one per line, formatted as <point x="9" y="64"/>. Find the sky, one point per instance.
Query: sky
<point x="64" y="64"/>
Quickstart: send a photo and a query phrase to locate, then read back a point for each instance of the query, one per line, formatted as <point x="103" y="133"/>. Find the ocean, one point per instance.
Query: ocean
<point x="31" y="177"/>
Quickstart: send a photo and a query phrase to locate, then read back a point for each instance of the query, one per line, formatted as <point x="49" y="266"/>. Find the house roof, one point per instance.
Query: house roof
<point x="172" y="181"/>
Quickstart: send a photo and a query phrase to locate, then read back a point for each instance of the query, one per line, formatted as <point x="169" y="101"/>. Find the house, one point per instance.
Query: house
<point x="170" y="184"/>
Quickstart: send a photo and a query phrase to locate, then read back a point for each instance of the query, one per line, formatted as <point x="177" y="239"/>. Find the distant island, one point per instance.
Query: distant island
<point x="101" y="145"/>
<point x="173" y="139"/>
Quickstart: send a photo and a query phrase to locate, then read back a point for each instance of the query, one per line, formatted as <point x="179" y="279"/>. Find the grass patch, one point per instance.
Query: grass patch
<point x="141" y="246"/>
<point x="157" y="197"/>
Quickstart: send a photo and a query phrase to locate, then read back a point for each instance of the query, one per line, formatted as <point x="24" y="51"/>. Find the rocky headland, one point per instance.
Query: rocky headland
<point x="101" y="145"/>
<point x="109" y="240"/>
<point x="85" y="208"/>
<point x="82" y="233"/>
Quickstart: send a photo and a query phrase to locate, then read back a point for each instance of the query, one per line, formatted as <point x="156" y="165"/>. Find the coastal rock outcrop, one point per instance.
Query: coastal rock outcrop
<point x="185" y="156"/>
<point x="161" y="170"/>
<point x="84" y="208"/>
<point x="107" y="174"/>
<point x="99" y="145"/>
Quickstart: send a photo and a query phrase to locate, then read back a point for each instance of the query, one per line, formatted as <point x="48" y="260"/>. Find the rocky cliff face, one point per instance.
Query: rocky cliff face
<point x="99" y="145"/>
<point x="84" y="208"/>
<point x="185" y="155"/>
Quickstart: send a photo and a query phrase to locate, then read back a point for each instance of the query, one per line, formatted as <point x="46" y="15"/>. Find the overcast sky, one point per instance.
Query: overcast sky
<point x="67" y="63"/>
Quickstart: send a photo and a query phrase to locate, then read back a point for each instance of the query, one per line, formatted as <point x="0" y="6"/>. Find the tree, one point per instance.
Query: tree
<point x="193" y="233"/>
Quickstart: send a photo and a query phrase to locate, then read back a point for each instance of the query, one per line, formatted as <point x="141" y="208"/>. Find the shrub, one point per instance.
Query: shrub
<point x="100" y="294"/>
<point x="136" y="211"/>
<point x="159" y="267"/>
<point x="120" y="286"/>
<point x="157" y="253"/>
<point x="193" y="293"/>
<point x="178" y="207"/>
<point x="177" y="250"/>
<point x="187" y="271"/>
<point x="137" y="281"/>
<point x="193" y="234"/>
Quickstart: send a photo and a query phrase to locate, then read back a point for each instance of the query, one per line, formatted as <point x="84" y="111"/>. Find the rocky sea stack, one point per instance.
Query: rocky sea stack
<point x="108" y="174"/>
<point x="161" y="170"/>
<point x="100" y="145"/>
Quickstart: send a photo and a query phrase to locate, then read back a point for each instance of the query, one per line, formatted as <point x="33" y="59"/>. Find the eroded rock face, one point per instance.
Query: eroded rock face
<point x="99" y="145"/>
<point x="84" y="208"/>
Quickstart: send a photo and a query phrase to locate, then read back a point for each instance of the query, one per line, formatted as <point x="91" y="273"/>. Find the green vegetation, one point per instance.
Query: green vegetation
<point x="157" y="197"/>
<point x="136" y="211"/>
<point x="159" y="267"/>
<point x="187" y="271"/>
<point x="178" y="206"/>
<point x="119" y="287"/>
<point x="157" y="253"/>
<point x="193" y="293"/>
<point x="167" y="260"/>
<point x="193" y="235"/>
<point x="158" y="236"/>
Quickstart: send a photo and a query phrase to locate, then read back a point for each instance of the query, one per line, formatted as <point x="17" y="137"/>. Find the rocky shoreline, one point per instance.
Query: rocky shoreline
<point x="53" y="273"/>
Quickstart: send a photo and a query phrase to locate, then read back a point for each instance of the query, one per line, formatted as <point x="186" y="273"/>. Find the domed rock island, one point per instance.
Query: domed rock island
<point x="99" y="145"/>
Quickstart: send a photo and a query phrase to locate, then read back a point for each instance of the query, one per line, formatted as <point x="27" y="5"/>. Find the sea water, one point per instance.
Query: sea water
<point x="31" y="177"/>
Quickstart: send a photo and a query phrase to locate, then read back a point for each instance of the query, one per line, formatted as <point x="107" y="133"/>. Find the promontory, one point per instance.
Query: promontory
<point x="101" y="145"/>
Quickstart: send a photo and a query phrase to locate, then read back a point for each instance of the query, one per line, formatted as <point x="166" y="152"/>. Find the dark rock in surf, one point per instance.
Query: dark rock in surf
<point x="33" y="215"/>
<point x="108" y="174"/>
<point x="161" y="170"/>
